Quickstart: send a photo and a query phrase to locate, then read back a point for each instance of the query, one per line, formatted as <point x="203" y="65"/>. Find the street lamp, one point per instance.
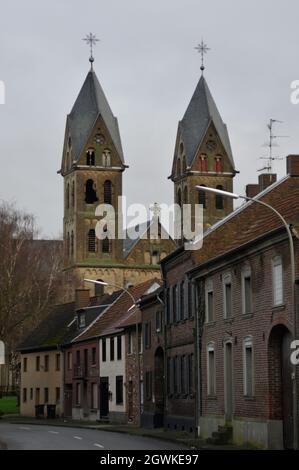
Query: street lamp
<point x="293" y="286"/>
<point x="102" y="283"/>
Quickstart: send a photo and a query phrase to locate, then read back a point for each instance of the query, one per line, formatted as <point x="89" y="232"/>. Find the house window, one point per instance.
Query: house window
<point x="91" y="241"/>
<point x="94" y="356"/>
<point x="227" y="296"/>
<point x="31" y="394"/>
<point x="69" y="360"/>
<point x="147" y="335"/>
<point x="219" y="204"/>
<point x="37" y="396"/>
<point x="182" y="300"/>
<point x="209" y="303"/>
<point x="119" y="389"/>
<point x="148" y="385"/>
<point x="246" y="291"/>
<point x="104" y="349"/>
<point x="46" y="395"/>
<point x="140" y="342"/>
<point x="78" y="393"/>
<point x="107" y="192"/>
<point x="211" y="379"/>
<point x="183" y="375"/>
<point x="57" y="361"/>
<point x="78" y="357"/>
<point x="90" y="157"/>
<point x="203" y="166"/>
<point x="90" y="192"/>
<point x="248" y="367"/>
<point x="37" y="363"/>
<point x="111" y="349"/>
<point x="202" y="198"/>
<point x="159" y="317"/>
<point x="94" y="396"/>
<point x="25" y="361"/>
<point x="24" y="395"/>
<point x="277" y="276"/>
<point x="130" y="342"/>
<point x="118" y="348"/>
<point x="46" y="363"/>
<point x="190" y="374"/>
<point x="57" y="395"/>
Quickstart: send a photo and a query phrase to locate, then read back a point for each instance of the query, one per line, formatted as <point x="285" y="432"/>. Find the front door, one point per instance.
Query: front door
<point x="68" y="400"/>
<point x="104" y="397"/>
<point x="228" y="381"/>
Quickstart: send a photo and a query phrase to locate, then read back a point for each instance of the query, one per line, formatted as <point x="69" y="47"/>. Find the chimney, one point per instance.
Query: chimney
<point x="82" y="298"/>
<point x="266" y="179"/>
<point x="252" y="190"/>
<point x="293" y="165"/>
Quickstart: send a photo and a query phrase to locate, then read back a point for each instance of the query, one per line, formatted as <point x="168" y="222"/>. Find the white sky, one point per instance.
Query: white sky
<point x="148" y="68"/>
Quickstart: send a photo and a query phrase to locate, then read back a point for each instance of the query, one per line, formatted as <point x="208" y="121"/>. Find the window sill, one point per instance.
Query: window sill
<point x="247" y="398"/>
<point x="247" y="315"/>
<point x="212" y="397"/>
<point x="278" y="308"/>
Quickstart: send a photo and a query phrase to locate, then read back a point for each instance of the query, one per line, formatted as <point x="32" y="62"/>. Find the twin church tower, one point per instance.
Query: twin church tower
<point x="92" y="167"/>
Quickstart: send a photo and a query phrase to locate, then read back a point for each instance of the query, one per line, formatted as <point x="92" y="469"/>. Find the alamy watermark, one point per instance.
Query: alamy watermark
<point x="185" y="222"/>
<point x="2" y="92"/>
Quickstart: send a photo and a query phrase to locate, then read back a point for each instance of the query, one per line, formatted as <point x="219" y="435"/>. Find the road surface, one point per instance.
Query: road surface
<point x="35" y="437"/>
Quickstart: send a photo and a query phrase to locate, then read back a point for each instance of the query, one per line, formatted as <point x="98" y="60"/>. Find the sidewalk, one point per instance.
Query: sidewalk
<point x="158" y="433"/>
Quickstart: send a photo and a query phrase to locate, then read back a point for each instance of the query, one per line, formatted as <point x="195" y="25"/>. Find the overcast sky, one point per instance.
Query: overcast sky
<point x="148" y="68"/>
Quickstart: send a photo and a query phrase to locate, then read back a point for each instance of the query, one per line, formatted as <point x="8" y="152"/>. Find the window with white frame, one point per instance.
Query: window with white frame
<point x="248" y="369"/>
<point x="209" y="302"/>
<point x="277" y="280"/>
<point x="211" y="370"/>
<point x="227" y="296"/>
<point x="246" y="290"/>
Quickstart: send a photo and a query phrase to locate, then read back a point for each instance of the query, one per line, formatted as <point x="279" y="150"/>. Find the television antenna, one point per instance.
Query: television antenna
<point x="270" y="144"/>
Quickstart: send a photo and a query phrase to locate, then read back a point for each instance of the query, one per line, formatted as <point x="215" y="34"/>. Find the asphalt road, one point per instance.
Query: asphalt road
<point x="23" y="437"/>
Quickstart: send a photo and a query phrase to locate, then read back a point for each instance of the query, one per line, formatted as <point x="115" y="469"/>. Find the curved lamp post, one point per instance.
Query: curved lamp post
<point x="293" y="286"/>
<point x="102" y="283"/>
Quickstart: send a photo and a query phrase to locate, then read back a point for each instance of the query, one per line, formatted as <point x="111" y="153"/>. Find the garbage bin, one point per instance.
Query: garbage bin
<point x="51" y="411"/>
<point x="39" y="411"/>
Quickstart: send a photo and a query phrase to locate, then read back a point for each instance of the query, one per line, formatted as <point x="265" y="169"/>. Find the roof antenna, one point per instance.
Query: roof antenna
<point x="202" y="48"/>
<point x="270" y="144"/>
<point x="91" y="39"/>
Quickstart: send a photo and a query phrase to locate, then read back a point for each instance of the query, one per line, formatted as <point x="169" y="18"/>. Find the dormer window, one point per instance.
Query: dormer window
<point x="90" y="157"/>
<point x="82" y="320"/>
<point x="218" y="164"/>
<point x="203" y="165"/>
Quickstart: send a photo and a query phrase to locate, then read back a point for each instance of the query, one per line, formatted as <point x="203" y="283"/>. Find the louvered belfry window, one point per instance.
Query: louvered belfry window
<point x="91" y="241"/>
<point x="107" y="192"/>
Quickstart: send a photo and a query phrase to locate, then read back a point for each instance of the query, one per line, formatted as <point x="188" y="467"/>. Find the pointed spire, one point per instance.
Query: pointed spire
<point x="201" y="111"/>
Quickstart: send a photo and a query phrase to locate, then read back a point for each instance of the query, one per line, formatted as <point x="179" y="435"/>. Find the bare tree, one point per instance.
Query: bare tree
<point x="30" y="274"/>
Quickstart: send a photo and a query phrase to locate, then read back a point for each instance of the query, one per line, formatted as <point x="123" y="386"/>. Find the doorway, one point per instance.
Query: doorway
<point x="104" y="397"/>
<point x="159" y="388"/>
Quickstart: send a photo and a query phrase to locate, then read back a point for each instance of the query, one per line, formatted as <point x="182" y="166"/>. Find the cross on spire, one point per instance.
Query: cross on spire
<point x="91" y="39"/>
<point x="202" y="48"/>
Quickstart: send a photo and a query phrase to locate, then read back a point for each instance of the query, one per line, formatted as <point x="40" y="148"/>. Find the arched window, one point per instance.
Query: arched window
<point x="203" y="165"/>
<point x="178" y="167"/>
<point x="90" y="157"/>
<point x="185" y="195"/>
<point x="67" y="196"/>
<point x="73" y="194"/>
<point x="106" y="158"/>
<point x="179" y="197"/>
<point x="184" y="165"/>
<point x="91" y="241"/>
<point x="202" y="198"/>
<point x="90" y="193"/>
<point x="72" y="244"/>
<point x="181" y="148"/>
<point x="218" y="164"/>
<point x="107" y="192"/>
<point x="219" y="199"/>
<point x="99" y="289"/>
<point x="106" y="243"/>
<point x="68" y="245"/>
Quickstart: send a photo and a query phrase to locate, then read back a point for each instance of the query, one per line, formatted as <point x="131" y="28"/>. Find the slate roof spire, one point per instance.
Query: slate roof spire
<point x="89" y="105"/>
<point x="201" y="111"/>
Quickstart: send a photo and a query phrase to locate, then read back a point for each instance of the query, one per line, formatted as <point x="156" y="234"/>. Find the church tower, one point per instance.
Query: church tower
<point x="203" y="156"/>
<point x="92" y="168"/>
